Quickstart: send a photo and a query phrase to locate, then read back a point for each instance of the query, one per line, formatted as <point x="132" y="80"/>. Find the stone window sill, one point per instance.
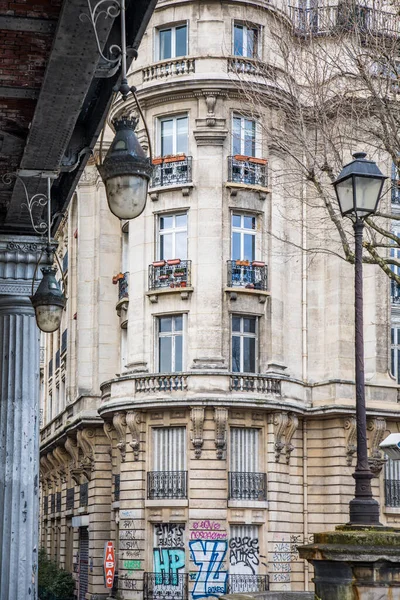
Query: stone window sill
<point x="166" y="503"/>
<point x="248" y="504"/>
<point x="156" y="191"/>
<point x="234" y="187"/>
<point x="233" y="292"/>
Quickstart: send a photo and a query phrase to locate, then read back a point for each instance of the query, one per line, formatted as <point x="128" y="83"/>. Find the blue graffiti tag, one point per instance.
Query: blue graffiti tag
<point x="211" y="579"/>
<point x="168" y="560"/>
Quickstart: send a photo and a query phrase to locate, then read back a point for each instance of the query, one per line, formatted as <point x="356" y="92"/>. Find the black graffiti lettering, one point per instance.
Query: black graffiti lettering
<point x="170" y="535"/>
<point x="244" y="550"/>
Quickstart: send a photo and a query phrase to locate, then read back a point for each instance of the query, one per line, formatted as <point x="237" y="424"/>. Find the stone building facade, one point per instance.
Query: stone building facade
<point x="198" y="404"/>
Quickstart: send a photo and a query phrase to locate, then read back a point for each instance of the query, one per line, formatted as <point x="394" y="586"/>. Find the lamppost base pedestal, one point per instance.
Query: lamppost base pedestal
<point x="364" y="511"/>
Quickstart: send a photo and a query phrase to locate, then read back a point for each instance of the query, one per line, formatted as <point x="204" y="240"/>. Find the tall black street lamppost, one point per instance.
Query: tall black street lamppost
<point x="358" y="188"/>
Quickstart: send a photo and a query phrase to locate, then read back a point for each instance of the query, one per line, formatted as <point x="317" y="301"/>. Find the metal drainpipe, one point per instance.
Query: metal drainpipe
<point x="305" y="502"/>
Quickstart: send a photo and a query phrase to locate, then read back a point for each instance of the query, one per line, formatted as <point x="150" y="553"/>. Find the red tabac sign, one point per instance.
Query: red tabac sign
<point x="109" y="564"/>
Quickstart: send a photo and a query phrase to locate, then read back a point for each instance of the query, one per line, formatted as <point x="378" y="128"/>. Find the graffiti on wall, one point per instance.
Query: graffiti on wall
<point x="211" y="577"/>
<point x="207" y="530"/>
<point x="169" y="535"/>
<point x="169" y="551"/>
<point x="244" y="551"/>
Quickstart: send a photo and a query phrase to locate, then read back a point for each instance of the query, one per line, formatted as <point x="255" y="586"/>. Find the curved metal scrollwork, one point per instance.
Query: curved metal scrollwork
<point x="37" y="200"/>
<point x="108" y="9"/>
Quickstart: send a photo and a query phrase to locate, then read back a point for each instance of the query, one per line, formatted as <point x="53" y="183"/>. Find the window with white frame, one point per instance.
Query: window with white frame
<point x="170" y="344"/>
<point x="244" y="344"/>
<point x="172" y="236"/>
<point x="173" y="137"/>
<point x="172" y="41"/>
<point x="243" y="237"/>
<point x="245" y="136"/>
<point x="395" y="351"/>
<point x="246" y="40"/>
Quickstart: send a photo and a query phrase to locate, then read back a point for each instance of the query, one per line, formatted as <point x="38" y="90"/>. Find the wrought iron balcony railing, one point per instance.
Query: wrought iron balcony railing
<point x="175" y="273"/>
<point x="247" y="486"/>
<point x="392" y="492"/>
<point x="248" y="170"/>
<point x="83" y="494"/>
<point x="344" y="17"/>
<point x="64" y="339"/>
<point x="243" y="584"/>
<point x="250" y="275"/>
<point x="171" y="171"/>
<point x="395" y="192"/>
<point x="165" y="586"/>
<point x="261" y="384"/>
<point x="166" y="485"/>
<point x="117" y="482"/>
<point x="58" y="502"/>
<point x="70" y="499"/>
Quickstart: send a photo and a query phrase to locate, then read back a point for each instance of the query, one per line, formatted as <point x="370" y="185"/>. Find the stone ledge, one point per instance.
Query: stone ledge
<point x="256" y="504"/>
<point x="185" y="292"/>
<point x="166" y="503"/>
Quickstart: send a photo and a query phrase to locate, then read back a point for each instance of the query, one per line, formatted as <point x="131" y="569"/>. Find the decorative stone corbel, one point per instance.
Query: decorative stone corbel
<point x="221" y="419"/>
<point x="73" y="450"/>
<point x="350" y="430"/>
<point x="108" y="429"/>
<point x="85" y="443"/>
<point x="46" y="468"/>
<point x="119" y="422"/>
<point x="211" y="100"/>
<point x="281" y="420"/>
<point x="133" y="420"/>
<point x="377" y="426"/>
<point x="293" y="423"/>
<point x="197" y="417"/>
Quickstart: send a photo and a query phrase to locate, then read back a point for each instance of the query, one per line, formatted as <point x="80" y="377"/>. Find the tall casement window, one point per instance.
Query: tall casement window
<point x="244" y="136"/>
<point x="172" y="236"/>
<point x="173" y="135"/>
<point x="392" y="483"/>
<point x="244" y="557"/>
<point x="170" y="344"/>
<point x="244" y="344"/>
<point x="168" y="479"/>
<point x="246" y="39"/>
<point x="245" y="480"/>
<point x="172" y="41"/>
<point x="394" y="286"/>
<point x="395" y="351"/>
<point x="243" y="237"/>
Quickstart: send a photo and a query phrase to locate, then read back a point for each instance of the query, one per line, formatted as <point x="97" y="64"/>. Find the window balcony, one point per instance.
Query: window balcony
<point x="70" y="499"/>
<point x="165" y="586"/>
<point x="247" y="486"/>
<point x="171" y="171"/>
<point x="248" y="171"/>
<point x="167" y="68"/>
<point x="259" y="384"/>
<point x="170" y="274"/>
<point x="247" y="583"/>
<point x="163" y="485"/>
<point x="245" y="274"/>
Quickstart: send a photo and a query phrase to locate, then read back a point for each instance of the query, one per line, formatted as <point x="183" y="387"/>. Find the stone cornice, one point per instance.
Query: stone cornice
<point x="19" y="257"/>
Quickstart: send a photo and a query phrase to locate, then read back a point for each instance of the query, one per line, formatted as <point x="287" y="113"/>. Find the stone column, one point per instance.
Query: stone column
<point x="19" y="420"/>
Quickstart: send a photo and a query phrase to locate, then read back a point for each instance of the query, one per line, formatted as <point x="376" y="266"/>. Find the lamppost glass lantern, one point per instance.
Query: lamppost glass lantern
<point x="48" y="301"/>
<point x="126" y="172"/>
<point x="359" y="186"/>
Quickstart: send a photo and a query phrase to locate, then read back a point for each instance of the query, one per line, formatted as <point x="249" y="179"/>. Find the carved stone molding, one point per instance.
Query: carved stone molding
<point x="377" y="427"/>
<point x="73" y="450"/>
<point x="206" y="135"/>
<point x="221" y="419"/>
<point x="119" y="422"/>
<point x="108" y="429"/>
<point x="292" y="425"/>
<point x="197" y="417"/>
<point x="85" y="439"/>
<point x="133" y="420"/>
<point x="350" y="430"/>
<point x="281" y="420"/>
<point x="63" y="459"/>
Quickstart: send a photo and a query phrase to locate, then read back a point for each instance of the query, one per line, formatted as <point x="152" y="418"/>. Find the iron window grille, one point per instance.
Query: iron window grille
<point x="70" y="499"/>
<point x="163" y="274"/>
<point x="165" y="586"/>
<point x="253" y="275"/>
<point x="174" y="172"/>
<point x="83" y="494"/>
<point x="58" y="502"/>
<point x="166" y="485"/>
<point x="52" y="503"/>
<point x="247" y="583"/>
<point x="250" y="171"/>
<point x="117" y="481"/>
<point x="247" y="486"/>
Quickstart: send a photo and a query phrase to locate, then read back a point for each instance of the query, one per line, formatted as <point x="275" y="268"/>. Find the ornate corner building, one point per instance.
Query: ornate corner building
<point x="198" y="407"/>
